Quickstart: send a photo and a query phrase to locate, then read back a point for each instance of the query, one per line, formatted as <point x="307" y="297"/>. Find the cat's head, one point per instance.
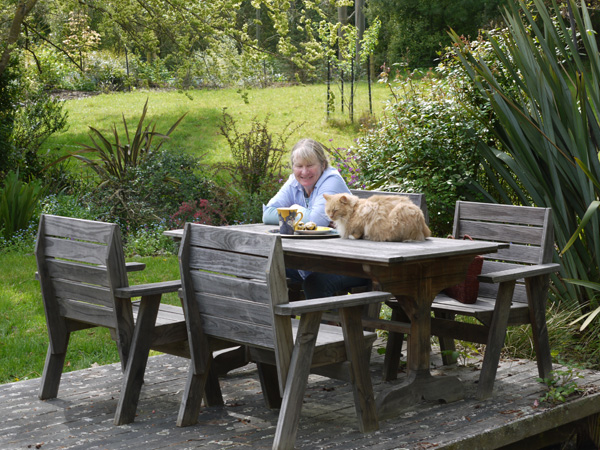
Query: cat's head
<point x="339" y="206"/>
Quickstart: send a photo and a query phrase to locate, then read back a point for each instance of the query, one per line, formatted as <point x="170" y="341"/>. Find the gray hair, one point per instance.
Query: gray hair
<point x="310" y="151"/>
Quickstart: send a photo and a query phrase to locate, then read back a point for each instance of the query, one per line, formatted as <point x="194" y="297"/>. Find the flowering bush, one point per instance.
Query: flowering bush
<point x="197" y="212"/>
<point x="346" y="162"/>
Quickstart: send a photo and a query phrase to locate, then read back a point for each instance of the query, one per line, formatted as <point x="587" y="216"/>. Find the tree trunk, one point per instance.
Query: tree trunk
<point x="22" y="9"/>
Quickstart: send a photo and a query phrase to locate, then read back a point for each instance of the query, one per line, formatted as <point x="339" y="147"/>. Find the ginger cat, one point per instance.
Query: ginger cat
<point x="377" y="218"/>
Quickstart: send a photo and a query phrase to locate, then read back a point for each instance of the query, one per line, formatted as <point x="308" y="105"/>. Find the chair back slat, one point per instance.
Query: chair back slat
<point x="502" y="232"/>
<point x="67" y="270"/>
<point x="229" y="262"/>
<point x="86" y="313"/>
<point x="416" y="198"/>
<point x="252" y="290"/>
<point x="80" y="251"/>
<point x="85" y="230"/>
<point x="82" y="292"/>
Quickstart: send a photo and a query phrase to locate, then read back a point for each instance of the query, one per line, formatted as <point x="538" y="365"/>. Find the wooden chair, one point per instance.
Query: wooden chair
<point x="234" y="289"/>
<point x="83" y="278"/>
<point x="513" y="285"/>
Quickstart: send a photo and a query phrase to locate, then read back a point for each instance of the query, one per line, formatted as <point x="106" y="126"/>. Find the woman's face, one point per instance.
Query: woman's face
<point x="307" y="173"/>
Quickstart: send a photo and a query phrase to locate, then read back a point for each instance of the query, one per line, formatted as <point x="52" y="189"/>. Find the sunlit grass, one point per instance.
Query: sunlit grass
<point x="199" y="131"/>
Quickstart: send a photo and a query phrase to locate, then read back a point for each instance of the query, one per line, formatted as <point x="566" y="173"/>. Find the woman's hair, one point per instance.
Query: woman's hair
<point x="310" y="151"/>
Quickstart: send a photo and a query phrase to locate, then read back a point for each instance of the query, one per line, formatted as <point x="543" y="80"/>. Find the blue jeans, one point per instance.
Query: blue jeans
<point x="317" y="284"/>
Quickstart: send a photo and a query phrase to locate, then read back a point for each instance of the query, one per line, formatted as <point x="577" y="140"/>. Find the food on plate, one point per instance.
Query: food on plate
<point x="310" y="226"/>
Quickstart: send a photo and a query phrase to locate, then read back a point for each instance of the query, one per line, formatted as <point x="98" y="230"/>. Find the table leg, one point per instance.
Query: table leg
<point x="133" y="378"/>
<point x="419" y="384"/>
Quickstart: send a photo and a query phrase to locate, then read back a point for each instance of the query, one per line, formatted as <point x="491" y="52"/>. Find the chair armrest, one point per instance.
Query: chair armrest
<point x="135" y="266"/>
<point x="518" y="273"/>
<point x="139" y="290"/>
<point x="326" y="303"/>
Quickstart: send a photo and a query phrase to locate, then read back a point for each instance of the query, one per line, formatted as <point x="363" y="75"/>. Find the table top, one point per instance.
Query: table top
<point x="375" y="252"/>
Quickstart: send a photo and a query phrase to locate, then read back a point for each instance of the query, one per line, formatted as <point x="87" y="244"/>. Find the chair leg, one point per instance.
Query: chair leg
<point x="393" y="349"/>
<point x="496" y="338"/>
<point x="295" y="386"/>
<point x="212" y="391"/>
<point x="364" y="400"/>
<point x="192" y="397"/>
<point x="537" y="289"/>
<point x="53" y="368"/>
<point x="267" y="374"/>
<point x="447" y="344"/>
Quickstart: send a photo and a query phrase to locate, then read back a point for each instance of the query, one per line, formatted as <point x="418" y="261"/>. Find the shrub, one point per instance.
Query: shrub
<point x="256" y="154"/>
<point x="18" y="202"/>
<point x="427" y="142"/>
<point x="197" y="212"/>
<point x="149" y="240"/>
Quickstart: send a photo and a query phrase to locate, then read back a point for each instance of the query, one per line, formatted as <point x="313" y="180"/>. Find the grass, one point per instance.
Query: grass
<point x="199" y="131"/>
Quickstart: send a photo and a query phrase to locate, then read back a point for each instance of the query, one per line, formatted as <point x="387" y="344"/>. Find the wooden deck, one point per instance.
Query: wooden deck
<point x="82" y="416"/>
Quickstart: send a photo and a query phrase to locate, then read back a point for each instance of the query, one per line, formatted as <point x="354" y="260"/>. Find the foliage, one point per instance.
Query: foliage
<point x="414" y="32"/>
<point x="561" y="384"/>
<point x="551" y="126"/>
<point x="18" y="202"/>
<point x="149" y="240"/>
<point x="197" y="212"/>
<point x="345" y="161"/>
<point x="113" y="160"/>
<point x="427" y="142"/>
<point x="256" y="153"/>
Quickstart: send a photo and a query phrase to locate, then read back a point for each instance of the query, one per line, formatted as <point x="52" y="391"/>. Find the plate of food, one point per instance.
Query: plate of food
<point x="315" y="231"/>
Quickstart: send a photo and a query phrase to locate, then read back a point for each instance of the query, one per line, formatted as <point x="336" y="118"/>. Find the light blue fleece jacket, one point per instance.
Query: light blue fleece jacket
<point x="292" y="193"/>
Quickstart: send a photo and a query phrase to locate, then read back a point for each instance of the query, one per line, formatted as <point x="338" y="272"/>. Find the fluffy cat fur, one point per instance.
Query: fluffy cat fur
<point x="377" y="218"/>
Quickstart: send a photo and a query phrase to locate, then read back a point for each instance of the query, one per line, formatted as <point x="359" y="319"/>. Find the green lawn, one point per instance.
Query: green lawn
<point x="199" y="132"/>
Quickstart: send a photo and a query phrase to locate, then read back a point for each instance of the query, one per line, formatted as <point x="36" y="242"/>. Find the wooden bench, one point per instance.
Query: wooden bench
<point x="83" y="278"/>
<point x="234" y="290"/>
<point x="513" y="286"/>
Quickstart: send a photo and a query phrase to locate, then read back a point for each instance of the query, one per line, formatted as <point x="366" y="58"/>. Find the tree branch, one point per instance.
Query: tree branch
<point x="22" y="9"/>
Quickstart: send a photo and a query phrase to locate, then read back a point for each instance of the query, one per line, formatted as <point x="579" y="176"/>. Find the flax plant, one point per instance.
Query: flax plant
<point x="550" y="130"/>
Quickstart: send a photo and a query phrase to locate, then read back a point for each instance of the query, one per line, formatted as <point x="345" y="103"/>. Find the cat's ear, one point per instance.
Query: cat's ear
<point x="344" y="199"/>
<point x="327" y="196"/>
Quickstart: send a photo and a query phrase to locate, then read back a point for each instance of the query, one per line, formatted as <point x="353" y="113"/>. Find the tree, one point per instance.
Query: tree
<point x="11" y="37"/>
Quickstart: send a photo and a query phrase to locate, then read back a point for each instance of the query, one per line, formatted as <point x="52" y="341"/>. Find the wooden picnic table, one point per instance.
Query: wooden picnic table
<point x="414" y="272"/>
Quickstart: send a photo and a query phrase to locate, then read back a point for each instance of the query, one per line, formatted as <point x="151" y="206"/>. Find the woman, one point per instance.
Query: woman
<point x="311" y="177"/>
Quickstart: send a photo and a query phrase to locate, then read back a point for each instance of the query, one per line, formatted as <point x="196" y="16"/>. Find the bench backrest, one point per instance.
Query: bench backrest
<point x="231" y="281"/>
<point x="72" y="257"/>
<point x="528" y="230"/>
<point x="417" y="199"/>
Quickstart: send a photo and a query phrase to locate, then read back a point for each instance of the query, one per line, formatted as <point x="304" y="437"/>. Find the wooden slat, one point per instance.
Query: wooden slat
<point x="77" y="272"/>
<point x="238" y="332"/>
<point x="231" y="240"/>
<point x="502" y="213"/>
<point x="249" y="289"/>
<point x="75" y="250"/>
<point x="527" y="254"/>
<point x="83" y="292"/>
<point x="86" y="312"/>
<point x="232" y="263"/>
<point x="78" y="228"/>
<point x="519" y="234"/>
<point x="234" y="309"/>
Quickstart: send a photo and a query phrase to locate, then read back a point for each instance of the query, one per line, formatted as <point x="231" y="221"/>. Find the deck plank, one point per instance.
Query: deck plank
<point x="82" y="415"/>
